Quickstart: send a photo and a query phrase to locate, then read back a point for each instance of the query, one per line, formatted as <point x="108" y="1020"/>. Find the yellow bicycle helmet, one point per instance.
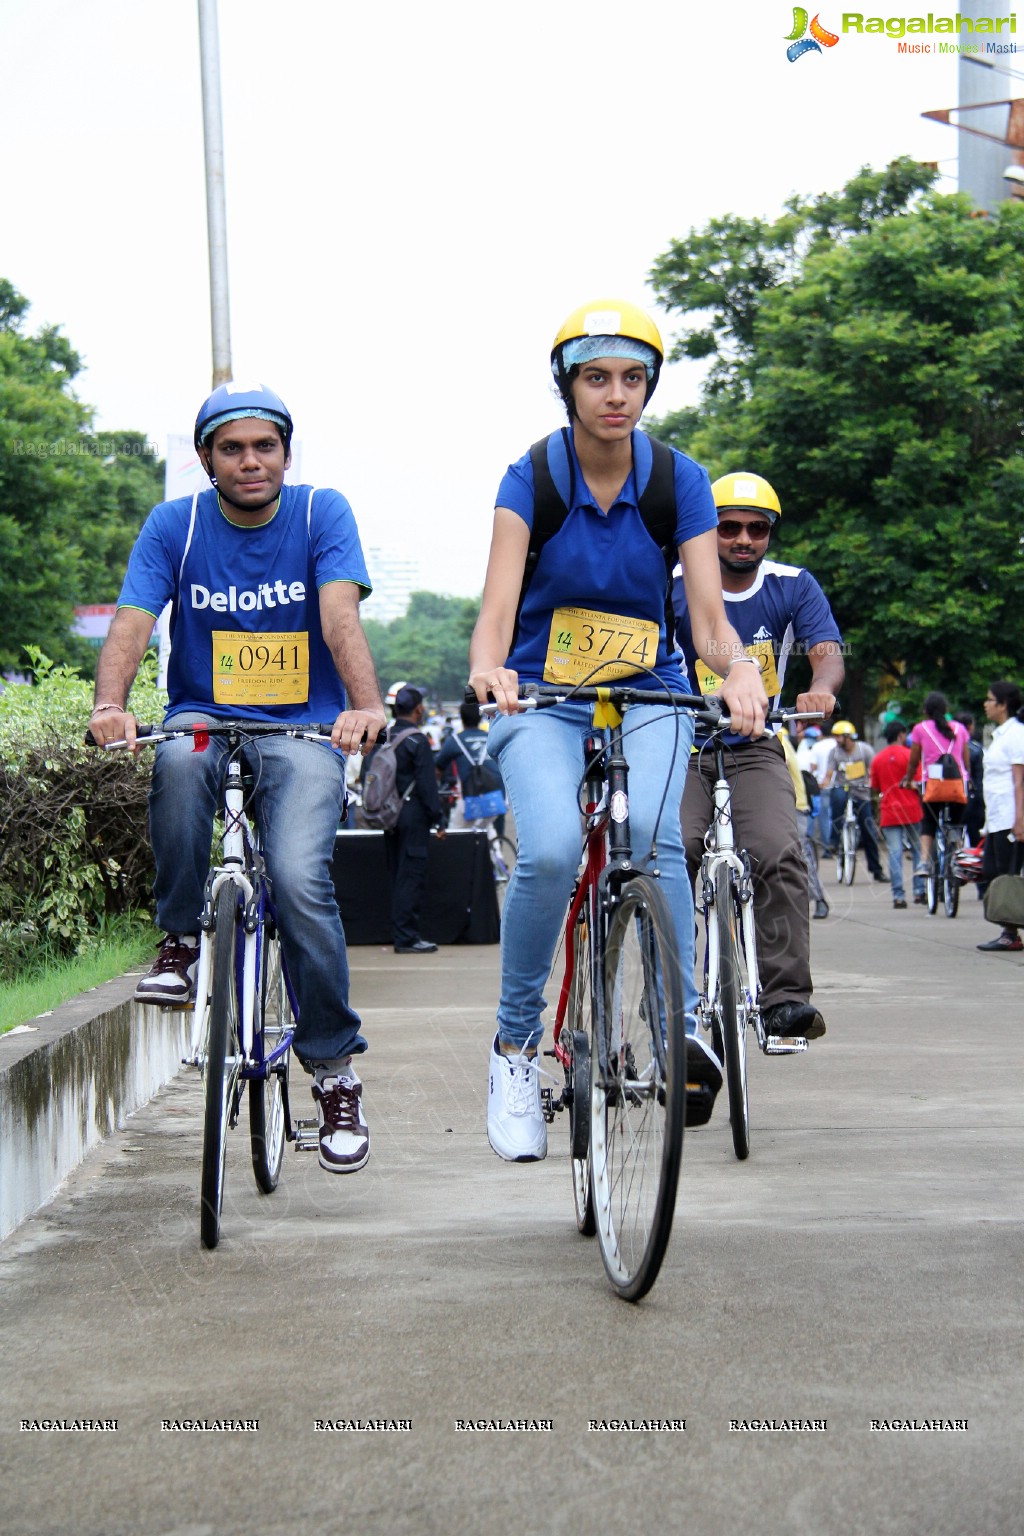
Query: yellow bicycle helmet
<point x="607" y="317"/>
<point x="744" y="492"/>
<point x="844" y="728"/>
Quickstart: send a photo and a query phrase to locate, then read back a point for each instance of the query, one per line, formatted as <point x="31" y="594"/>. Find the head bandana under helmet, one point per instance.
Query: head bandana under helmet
<point x="583" y="349"/>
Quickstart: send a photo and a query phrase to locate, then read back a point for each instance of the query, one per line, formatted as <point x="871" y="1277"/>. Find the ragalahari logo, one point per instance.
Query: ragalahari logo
<point x="799" y="41"/>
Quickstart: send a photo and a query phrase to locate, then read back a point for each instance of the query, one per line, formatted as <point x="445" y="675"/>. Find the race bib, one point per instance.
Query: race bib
<point x="854" y="771"/>
<point x="762" y="652"/>
<point x="597" y="647"/>
<point x="260" y="669"/>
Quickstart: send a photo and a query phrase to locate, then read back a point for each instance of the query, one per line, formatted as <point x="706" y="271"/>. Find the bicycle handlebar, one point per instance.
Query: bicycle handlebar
<point x="708" y="709"/>
<point x="152" y="735"/>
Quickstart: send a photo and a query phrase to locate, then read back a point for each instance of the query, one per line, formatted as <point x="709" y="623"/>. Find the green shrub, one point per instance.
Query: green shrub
<point x="74" y="851"/>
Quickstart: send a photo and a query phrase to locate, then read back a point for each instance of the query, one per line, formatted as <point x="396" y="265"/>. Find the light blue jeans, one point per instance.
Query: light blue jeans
<point x="894" y="838"/>
<point x="299" y="795"/>
<point x="541" y="759"/>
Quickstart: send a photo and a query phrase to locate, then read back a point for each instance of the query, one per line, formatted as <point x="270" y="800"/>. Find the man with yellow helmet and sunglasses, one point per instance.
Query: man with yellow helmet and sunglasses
<point x="592" y="546"/>
<point x="774" y="608"/>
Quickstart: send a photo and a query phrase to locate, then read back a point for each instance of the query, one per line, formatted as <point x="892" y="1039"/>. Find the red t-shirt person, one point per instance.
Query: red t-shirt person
<point x="899" y="807"/>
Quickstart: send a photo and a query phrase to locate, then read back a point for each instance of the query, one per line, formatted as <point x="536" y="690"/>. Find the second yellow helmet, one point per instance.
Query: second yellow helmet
<point x="744" y="492"/>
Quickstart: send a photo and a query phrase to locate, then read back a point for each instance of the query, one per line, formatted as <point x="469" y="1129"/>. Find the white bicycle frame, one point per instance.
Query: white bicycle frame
<point x="720" y="850"/>
<point x="237" y="833"/>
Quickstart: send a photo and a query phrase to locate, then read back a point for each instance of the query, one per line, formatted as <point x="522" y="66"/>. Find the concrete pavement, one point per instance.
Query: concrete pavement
<point x="863" y="1265"/>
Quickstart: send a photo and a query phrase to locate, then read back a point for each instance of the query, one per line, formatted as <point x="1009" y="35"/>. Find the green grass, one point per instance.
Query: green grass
<point x="55" y="981"/>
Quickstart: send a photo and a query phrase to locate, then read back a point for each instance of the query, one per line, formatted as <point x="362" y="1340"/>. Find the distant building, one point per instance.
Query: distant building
<point x="395" y="577"/>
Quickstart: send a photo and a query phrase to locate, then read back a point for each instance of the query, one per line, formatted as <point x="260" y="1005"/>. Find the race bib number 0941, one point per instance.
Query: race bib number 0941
<point x="260" y="668"/>
<point x="597" y="647"/>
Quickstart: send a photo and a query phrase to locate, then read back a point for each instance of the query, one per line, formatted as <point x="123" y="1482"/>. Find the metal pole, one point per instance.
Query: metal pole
<point x="216" y="219"/>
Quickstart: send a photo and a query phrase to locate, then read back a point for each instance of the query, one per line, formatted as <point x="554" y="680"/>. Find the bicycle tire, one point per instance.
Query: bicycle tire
<point x="268" y="1095"/>
<point x="638" y="1091"/>
<point x="733" y="1008"/>
<point x="950" y="883"/>
<point x="221" y="1067"/>
<point x="849" y="852"/>
<point x="577" y="1031"/>
<point x="931" y="883"/>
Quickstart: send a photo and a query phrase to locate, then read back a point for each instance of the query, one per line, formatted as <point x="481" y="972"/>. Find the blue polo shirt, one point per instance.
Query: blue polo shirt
<point x="246" y="638"/>
<point x="607" y="562"/>
<point x="784" y="607"/>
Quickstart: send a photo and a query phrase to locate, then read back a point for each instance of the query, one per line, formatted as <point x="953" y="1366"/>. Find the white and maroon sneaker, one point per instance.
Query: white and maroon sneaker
<point x="344" y="1134"/>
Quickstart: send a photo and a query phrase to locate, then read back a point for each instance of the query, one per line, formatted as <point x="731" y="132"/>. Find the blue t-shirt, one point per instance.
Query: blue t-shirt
<point x="245" y="623"/>
<point x="607" y="563"/>
<point x="784" y="607"/>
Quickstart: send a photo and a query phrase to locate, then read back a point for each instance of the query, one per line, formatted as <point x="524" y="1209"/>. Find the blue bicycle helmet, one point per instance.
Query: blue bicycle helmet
<point x="238" y="402"/>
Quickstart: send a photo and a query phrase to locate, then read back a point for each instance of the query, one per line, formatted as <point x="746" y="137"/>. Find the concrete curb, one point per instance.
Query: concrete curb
<point x="72" y="1082"/>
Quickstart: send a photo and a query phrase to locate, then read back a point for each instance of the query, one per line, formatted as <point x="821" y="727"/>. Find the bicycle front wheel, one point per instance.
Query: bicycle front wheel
<point x="577" y="1033"/>
<point x="732" y="992"/>
<point x="637" y="1099"/>
<point x="849" y="851"/>
<point x="932" y="883"/>
<point x="267" y="1095"/>
<point x="223" y="1063"/>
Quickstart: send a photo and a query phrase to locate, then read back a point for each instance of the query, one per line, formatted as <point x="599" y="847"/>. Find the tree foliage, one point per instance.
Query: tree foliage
<point x="881" y="390"/>
<point x="73" y="845"/>
<point x="71" y="501"/>
<point x="428" y="646"/>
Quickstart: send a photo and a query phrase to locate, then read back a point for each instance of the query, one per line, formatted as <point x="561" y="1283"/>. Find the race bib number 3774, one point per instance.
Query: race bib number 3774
<point x="260" y="668"/>
<point x="597" y="647"/>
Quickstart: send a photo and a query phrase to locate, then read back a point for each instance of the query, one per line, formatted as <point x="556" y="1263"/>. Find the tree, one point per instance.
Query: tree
<point x="882" y="393"/>
<point x="71" y="502"/>
<point x="428" y="645"/>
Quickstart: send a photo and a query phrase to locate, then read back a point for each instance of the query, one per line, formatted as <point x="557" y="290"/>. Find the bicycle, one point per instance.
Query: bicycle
<point x="730" y="1002"/>
<point x="245" y="1011"/>
<point x="846" y="844"/>
<point x="942" y="873"/>
<point x="619" y="1028"/>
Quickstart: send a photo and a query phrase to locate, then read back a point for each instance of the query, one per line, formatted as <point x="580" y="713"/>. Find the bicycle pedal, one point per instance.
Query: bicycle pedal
<point x="548" y="1104"/>
<point x="785" y="1045"/>
<point x="307" y="1135"/>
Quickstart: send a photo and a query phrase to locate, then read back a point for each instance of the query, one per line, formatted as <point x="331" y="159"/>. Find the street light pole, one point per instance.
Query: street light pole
<point x="216" y="219"/>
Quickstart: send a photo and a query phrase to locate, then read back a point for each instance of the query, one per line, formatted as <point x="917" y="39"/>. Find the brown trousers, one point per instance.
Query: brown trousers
<point x="764" y="823"/>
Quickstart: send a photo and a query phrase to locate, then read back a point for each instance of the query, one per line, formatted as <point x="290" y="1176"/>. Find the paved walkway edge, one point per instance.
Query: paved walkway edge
<point x="74" y="1081"/>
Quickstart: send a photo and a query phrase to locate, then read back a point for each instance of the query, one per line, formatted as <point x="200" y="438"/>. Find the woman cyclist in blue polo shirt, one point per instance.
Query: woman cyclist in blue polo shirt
<point x="605" y="360"/>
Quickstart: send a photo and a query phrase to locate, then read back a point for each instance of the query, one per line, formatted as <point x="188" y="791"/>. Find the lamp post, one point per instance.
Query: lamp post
<point x="216" y="219"/>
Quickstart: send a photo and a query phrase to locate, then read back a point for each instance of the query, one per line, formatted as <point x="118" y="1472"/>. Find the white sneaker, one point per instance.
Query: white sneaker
<point x="515" y="1124"/>
<point x="344" y="1134"/>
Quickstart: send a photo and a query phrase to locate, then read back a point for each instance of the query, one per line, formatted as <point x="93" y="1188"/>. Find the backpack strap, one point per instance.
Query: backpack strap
<point x="554" y="491"/>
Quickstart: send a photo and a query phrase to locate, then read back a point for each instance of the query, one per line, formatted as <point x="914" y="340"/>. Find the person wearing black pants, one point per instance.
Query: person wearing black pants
<point x="407" y="844"/>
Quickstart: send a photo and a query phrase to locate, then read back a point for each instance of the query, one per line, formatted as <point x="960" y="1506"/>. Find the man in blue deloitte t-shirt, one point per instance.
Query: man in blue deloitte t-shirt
<point x="265" y="581"/>
<point x="772" y="607"/>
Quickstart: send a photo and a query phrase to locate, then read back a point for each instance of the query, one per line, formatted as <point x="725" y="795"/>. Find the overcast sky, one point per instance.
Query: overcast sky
<point x="417" y="195"/>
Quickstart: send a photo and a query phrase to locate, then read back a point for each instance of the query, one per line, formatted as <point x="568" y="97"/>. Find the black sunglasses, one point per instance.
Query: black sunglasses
<point x="731" y="529"/>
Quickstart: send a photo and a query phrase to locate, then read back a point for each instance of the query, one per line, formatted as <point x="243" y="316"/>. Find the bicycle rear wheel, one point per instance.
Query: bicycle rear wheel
<point x="267" y="1095"/>
<point x="223" y="1063"/>
<point x="950" y="883"/>
<point x="639" y="1089"/>
<point x="931" y="883"/>
<point x="849" y="851"/>
<point x="732" y="983"/>
<point x="577" y="1033"/>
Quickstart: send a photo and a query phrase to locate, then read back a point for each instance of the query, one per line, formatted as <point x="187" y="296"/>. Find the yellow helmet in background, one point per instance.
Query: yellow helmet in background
<point x="844" y="728"/>
<point x="744" y="492"/>
<point x="607" y="317"/>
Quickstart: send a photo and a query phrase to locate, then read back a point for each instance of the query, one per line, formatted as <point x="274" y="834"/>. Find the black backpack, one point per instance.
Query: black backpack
<point x="481" y="776"/>
<point x="551" y="508"/>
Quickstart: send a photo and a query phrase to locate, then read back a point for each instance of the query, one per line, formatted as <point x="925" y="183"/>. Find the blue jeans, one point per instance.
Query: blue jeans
<point x="299" y="795"/>
<point x="894" y="838"/>
<point x="541" y="759"/>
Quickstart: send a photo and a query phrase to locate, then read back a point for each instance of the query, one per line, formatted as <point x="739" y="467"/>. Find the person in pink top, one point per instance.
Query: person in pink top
<point x="930" y="739"/>
<point x="899" y="809"/>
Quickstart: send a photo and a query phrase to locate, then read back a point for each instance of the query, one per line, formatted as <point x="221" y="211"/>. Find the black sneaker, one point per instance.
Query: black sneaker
<point x="880" y="879"/>
<point x="821" y="907"/>
<point x="794" y="1020"/>
<point x="703" y="1080"/>
<point x="898" y="903"/>
<point x="171" y="979"/>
